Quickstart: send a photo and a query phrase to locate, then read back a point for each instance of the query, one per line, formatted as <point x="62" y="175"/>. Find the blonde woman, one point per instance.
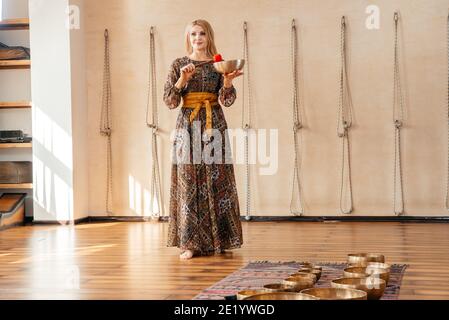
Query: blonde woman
<point x="204" y="207"/>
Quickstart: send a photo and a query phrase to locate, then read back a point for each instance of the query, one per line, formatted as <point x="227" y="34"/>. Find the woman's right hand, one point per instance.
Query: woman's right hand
<point x="187" y="72"/>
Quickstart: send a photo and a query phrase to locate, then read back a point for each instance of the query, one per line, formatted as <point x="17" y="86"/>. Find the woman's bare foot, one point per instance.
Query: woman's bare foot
<point x="186" y="255"/>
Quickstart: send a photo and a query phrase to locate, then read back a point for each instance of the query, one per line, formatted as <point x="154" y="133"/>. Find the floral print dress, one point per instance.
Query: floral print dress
<point x="204" y="208"/>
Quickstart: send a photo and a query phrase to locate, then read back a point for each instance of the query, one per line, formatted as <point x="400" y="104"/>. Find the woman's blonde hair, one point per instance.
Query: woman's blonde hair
<point x="211" y="50"/>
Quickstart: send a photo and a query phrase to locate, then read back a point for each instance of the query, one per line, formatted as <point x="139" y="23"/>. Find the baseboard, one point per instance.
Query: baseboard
<point x="121" y="219"/>
<point x="340" y="219"/>
<point x="405" y="219"/>
<point x="30" y="220"/>
<point x="402" y="219"/>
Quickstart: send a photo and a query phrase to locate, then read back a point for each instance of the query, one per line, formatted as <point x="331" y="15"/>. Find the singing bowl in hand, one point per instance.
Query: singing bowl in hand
<point x="229" y="66"/>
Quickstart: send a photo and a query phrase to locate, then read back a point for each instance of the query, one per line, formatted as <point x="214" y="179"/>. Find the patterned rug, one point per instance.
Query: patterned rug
<point x="257" y="274"/>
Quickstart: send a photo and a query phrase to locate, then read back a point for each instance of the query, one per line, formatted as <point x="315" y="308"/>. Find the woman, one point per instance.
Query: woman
<point x="204" y="208"/>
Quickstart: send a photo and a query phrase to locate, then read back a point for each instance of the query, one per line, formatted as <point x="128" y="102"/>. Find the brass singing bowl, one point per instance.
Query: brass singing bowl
<point x="278" y="287"/>
<point x="306" y="265"/>
<point x="336" y="293"/>
<point x="229" y="65"/>
<point x="379" y="265"/>
<point x="315" y="270"/>
<point x="297" y="284"/>
<point x="248" y="293"/>
<point x="362" y="259"/>
<point x="373" y="287"/>
<point x="363" y="272"/>
<point x="304" y="275"/>
<point x="309" y="265"/>
<point x="282" y="296"/>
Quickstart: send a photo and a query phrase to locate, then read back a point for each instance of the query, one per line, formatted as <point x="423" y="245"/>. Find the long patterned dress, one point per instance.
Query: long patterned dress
<point x="204" y="207"/>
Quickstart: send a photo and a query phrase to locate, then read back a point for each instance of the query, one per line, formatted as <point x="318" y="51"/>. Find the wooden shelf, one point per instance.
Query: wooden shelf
<point x="15" y="145"/>
<point x="16" y="186"/>
<point x="15" y="64"/>
<point x="15" y="105"/>
<point x="15" y="24"/>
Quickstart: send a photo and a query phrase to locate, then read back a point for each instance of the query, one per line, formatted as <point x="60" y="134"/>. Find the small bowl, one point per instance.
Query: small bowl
<point x="363" y="272"/>
<point x="229" y="66"/>
<point x="278" y="287"/>
<point x="309" y="265"/>
<point x="248" y="293"/>
<point x="336" y="294"/>
<point x="306" y="265"/>
<point x="304" y="275"/>
<point x="282" y="296"/>
<point x="314" y="270"/>
<point x="373" y="287"/>
<point x="297" y="284"/>
<point x="362" y="259"/>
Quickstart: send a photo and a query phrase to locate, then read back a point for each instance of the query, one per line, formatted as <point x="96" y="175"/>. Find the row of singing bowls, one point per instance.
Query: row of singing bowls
<point x="362" y="259"/>
<point x="305" y="278"/>
<point x="373" y="287"/>
<point x="311" y="294"/>
<point x="360" y="283"/>
<point x="292" y="285"/>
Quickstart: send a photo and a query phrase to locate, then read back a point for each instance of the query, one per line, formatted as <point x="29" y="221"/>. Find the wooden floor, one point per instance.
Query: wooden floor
<point x="130" y="260"/>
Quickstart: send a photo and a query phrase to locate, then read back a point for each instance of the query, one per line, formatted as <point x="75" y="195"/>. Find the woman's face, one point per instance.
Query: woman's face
<point x="198" y="38"/>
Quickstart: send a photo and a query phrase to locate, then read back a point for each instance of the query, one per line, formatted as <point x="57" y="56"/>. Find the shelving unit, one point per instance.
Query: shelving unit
<point x="15" y="105"/>
<point x="15" y="64"/>
<point x="16" y="186"/>
<point x="15" y="145"/>
<point x="14" y="217"/>
<point x="15" y="24"/>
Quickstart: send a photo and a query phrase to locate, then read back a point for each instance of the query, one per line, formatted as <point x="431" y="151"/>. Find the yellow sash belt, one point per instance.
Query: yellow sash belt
<point x="198" y="100"/>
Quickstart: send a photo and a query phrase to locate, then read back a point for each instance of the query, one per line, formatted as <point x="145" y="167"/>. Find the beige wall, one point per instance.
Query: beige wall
<point x="424" y="69"/>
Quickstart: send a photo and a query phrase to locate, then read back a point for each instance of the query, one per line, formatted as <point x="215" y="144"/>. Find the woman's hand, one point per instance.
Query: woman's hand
<point x="228" y="77"/>
<point x="186" y="74"/>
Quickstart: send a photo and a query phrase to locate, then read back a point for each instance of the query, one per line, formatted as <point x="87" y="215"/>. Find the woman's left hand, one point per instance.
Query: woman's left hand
<point x="228" y="77"/>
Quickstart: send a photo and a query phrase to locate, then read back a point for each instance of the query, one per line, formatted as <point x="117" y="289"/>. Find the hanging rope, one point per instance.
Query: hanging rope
<point x="105" y="119"/>
<point x="297" y="124"/>
<point x="344" y="123"/>
<point x="246" y="115"/>
<point x="447" y="178"/>
<point x="398" y="119"/>
<point x="152" y="123"/>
